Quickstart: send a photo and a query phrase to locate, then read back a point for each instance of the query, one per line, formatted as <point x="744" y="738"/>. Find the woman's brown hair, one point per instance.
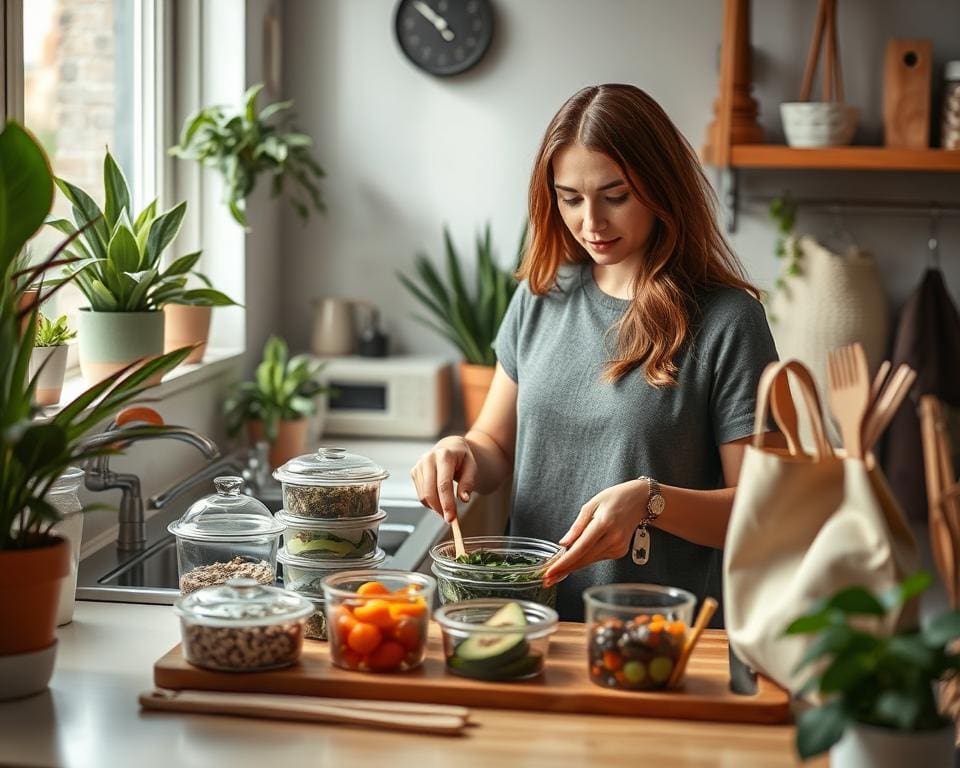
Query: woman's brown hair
<point x="686" y="249"/>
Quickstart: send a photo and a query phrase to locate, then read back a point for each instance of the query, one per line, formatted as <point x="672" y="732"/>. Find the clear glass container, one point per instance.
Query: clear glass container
<point x="226" y="535"/>
<point x="242" y="626"/>
<point x="635" y="633"/>
<point x="63" y="497"/>
<point x="377" y="620"/>
<point x="349" y="538"/>
<point x="331" y="484"/>
<point x="509" y="567"/>
<point x="496" y="639"/>
<point x="304" y="575"/>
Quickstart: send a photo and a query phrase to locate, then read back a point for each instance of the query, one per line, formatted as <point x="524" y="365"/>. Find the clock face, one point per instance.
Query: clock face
<point x="444" y="37"/>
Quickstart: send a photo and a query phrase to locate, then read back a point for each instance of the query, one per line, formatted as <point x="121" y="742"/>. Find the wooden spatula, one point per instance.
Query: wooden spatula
<point x="457" y="537"/>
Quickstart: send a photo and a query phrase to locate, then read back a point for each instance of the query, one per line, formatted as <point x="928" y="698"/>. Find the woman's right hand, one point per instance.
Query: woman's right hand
<point x="450" y="461"/>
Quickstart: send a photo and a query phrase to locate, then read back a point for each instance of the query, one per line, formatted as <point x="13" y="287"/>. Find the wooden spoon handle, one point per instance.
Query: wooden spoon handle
<point x="457" y="537"/>
<point x="707" y="609"/>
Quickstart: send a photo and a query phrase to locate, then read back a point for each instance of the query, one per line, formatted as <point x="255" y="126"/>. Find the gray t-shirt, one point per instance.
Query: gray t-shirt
<point x="577" y="434"/>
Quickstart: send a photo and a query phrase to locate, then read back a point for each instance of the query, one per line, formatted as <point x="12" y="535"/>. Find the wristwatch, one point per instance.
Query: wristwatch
<point x="640" y="548"/>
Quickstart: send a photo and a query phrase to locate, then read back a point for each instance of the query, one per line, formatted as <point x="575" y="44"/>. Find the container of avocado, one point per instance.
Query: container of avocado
<point x="346" y="539"/>
<point x="496" y="639"/>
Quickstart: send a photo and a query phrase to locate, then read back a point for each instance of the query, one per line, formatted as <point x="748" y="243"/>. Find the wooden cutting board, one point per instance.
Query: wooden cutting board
<point x="564" y="686"/>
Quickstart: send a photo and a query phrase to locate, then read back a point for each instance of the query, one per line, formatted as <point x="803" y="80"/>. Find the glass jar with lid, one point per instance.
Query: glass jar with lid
<point x="226" y="535"/>
<point x="331" y="484"/>
<point x="242" y="626"/>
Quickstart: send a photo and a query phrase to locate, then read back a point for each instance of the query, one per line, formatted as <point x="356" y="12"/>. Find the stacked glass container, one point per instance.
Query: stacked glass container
<point x="331" y="520"/>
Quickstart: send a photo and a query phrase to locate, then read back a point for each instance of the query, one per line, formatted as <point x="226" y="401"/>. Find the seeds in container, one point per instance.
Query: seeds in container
<point x="218" y="573"/>
<point x="243" y="648"/>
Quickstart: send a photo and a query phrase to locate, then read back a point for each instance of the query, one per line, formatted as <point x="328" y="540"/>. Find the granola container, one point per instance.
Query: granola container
<point x="331" y="484"/>
<point x="226" y="535"/>
<point x="349" y="538"/>
<point x="242" y="626"/>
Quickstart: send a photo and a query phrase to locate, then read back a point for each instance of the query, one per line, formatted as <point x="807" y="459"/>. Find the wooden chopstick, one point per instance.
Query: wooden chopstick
<point x="392" y="715"/>
<point x="707" y="609"/>
<point x="887" y="405"/>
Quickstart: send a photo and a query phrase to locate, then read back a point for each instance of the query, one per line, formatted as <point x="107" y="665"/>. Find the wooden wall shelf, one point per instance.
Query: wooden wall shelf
<point x="845" y="158"/>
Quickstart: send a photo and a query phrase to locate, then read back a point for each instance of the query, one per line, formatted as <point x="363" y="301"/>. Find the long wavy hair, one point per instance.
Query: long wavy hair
<point x="686" y="250"/>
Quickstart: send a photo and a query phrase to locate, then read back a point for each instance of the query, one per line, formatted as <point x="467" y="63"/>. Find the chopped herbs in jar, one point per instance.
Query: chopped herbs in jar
<point x="331" y="501"/>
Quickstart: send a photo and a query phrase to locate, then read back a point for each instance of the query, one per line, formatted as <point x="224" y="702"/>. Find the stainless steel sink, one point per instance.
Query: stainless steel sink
<point x="150" y="575"/>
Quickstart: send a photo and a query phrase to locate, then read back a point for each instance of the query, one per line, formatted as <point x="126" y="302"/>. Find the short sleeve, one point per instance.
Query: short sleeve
<point x="507" y="340"/>
<point x="744" y="347"/>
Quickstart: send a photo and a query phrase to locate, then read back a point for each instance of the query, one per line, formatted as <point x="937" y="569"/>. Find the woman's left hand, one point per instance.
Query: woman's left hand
<point x="603" y="530"/>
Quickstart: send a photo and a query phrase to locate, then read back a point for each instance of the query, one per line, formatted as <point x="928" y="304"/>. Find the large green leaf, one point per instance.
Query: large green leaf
<point x="116" y="190"/>
<point x="123" y="252"/>
<point x="85" y="210"/>
<point x="162" y="232"/>
<point x="26" y="191"/>
<point x="820" y="728"/>
<point x="40" y="444"/>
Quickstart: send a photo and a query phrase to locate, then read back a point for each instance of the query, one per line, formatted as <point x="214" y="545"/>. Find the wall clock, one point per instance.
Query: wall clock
<point x="444" y="37"/>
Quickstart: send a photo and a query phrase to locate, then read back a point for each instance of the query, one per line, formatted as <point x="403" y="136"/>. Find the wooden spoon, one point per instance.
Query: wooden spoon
<point x="707" y="609"/>
<point x="457" y="537"/>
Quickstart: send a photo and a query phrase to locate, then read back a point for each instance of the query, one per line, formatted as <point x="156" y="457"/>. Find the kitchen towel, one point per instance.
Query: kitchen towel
<point x="803" y="526"/>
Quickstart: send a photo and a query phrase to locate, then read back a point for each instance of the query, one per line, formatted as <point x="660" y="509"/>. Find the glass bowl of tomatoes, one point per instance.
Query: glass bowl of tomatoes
<point x="377" y="620"/>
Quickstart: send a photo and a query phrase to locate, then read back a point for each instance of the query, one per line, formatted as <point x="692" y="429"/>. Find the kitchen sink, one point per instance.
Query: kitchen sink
<point x="150" y="575"/>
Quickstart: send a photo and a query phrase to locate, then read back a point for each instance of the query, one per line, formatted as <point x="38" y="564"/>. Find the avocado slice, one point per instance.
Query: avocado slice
<point x="491" y="651"/>
<point x="298" y="546"/>
<point x="525" y="666"/>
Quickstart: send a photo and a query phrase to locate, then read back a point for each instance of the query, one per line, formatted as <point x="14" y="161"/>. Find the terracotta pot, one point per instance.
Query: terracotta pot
<point x="185" y="326"/>
<point x="474" y="384"/>
<point x="291" y="439"/>
<point x="26" y="299"/>
<point x="30" y="594"/>
<point x="51" y="365"/>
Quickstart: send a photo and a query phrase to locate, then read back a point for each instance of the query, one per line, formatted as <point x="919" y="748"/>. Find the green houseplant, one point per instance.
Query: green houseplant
<point x="118" y="268"/>
<point x="277" y="405"/>
<point x="48" y="361"/>
<point x="467" y="319"/>
<point x="243" y="144"/>
<point x="877" y="690"/>
<point x="35" y="453"/>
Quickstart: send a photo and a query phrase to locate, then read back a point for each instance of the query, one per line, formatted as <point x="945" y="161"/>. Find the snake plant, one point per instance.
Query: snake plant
<point x="467" y="319"/>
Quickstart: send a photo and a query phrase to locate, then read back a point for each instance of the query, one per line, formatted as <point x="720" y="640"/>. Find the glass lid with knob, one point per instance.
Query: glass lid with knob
<point x="242" y="601"/>
<point x="330" y="466"/>
<point x="227" y="514"/>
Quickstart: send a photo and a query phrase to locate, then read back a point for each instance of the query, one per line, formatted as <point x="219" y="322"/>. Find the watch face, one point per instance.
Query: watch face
<point x="444" y="37"/>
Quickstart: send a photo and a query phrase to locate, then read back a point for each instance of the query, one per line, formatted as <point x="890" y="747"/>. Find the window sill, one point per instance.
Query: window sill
<point x="214" y="363"/>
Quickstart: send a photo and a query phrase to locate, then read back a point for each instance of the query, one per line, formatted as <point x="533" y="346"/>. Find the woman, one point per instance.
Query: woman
<point x="628" y="361"/>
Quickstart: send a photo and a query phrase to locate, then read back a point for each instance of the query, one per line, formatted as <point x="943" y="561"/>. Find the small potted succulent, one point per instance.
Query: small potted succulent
<point x="119" y="271"/>
<point x="278" y="404"/>
<point x="48" y="361"/>
<point x="877" y="690"/>
<point x="468" y="319"/>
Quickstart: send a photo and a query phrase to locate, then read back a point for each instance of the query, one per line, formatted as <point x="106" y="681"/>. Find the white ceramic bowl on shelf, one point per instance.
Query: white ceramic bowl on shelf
<point x="818" y="124"/>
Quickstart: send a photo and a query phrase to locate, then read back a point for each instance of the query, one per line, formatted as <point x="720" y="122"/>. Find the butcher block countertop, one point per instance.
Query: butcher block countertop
<point x="90" y="717"/>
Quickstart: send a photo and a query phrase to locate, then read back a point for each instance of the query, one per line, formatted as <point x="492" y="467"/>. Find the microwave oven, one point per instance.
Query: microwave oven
<point x="401" y="396"/>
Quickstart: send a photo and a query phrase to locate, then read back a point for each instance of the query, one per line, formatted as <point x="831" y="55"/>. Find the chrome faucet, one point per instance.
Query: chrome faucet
<point x="99" y="477"/>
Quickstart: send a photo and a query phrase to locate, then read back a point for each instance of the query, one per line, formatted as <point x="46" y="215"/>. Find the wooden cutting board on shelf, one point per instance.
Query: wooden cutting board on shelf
<point x="564" y="686"/>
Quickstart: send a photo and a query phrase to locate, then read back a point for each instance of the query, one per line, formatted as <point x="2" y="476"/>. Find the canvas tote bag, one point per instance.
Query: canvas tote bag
<point x="803" y="526"/>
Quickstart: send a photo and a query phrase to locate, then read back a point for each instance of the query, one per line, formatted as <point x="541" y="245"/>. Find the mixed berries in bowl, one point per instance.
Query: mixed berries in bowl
<point x="636" y="634"/>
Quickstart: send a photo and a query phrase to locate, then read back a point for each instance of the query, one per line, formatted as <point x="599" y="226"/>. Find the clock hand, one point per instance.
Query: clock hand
<point x="434" y="18"/>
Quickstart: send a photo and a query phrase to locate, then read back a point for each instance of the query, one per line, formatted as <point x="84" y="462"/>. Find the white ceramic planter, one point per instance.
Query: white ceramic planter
<point x="864" y="746"/>
<point x="51" y="363"/>
<point x="818" y="124"/>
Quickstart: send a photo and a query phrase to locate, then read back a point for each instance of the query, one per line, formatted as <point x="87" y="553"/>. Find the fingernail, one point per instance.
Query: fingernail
<point x="465" y="496"/>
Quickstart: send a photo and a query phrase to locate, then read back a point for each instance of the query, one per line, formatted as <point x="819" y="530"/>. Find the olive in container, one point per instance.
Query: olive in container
<point x="635" y="633"/>
<point x="377" y="620"/>
<point x="226" y="535"/>
<point x="331" y="484"/>
<point x="496" y="639"/>
<point x="242" y="626"/>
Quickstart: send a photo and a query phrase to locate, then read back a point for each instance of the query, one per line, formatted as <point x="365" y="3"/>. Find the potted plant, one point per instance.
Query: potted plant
<point x="277" y="405"/>
<point x="243" y="144"/>
<point x="35" y="453"/>
<point x="48" y="361"/>
<point x="118" y="268"/>
<point x="469" y="321"/>
<point x="879" y="704"/>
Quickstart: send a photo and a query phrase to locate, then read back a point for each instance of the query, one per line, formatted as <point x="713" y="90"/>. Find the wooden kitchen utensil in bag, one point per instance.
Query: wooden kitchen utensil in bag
<point x="803" y="526"/>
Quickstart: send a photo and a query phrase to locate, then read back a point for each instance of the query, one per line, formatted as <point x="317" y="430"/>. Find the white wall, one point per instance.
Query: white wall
<point x="406" y="152"/>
